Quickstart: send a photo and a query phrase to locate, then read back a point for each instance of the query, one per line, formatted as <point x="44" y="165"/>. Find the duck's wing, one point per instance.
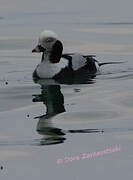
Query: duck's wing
<point x="78" y="60"/>
<point x="90" y="58"/>
<point x="91" y="64"/>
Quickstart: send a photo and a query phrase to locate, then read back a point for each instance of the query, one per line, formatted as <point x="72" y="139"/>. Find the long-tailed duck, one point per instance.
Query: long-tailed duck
<point x="54" y="64"/>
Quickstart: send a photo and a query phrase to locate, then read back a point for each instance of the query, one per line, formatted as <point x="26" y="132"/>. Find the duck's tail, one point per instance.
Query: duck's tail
<point x="101" y="64"/>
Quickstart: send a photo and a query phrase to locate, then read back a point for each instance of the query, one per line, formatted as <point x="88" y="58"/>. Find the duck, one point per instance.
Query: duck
<point x="56" y="65"/>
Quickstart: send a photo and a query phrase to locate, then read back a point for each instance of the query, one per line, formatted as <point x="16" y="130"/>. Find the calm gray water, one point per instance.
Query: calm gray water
<point x="50" y="130"/>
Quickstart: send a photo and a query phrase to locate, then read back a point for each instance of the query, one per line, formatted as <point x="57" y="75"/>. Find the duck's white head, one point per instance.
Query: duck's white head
<point x="48" y="43"/>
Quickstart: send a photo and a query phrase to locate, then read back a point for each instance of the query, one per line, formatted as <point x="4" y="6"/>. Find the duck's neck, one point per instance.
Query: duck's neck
<point x="51" y="56"/>
<point x="45" y="56"/>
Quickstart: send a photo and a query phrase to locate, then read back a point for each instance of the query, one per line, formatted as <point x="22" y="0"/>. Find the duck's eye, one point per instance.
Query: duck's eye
<point x="49" y="40"/>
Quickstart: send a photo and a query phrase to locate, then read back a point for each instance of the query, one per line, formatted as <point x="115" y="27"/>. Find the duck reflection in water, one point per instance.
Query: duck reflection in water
<point x="53" y="99"/>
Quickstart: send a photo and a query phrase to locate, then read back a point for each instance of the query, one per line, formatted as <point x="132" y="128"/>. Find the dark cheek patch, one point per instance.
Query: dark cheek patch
<point x="56" y="52"/>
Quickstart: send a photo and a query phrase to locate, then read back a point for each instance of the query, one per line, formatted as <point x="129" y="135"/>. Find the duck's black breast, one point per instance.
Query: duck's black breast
<point x="66" y="72"/>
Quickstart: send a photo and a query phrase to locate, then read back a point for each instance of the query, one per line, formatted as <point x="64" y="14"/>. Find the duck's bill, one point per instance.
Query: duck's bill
<point x="36" y="50"/>
<point x="39" y="49"/>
